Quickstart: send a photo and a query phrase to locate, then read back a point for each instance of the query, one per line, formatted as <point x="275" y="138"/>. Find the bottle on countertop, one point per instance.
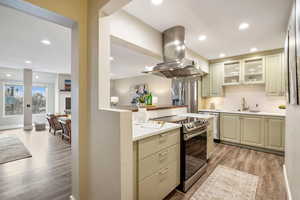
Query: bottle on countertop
<point x="149" y="99"/>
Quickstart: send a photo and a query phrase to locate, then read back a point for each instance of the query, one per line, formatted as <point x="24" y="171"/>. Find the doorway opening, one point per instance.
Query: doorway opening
<point x="39" y="102"/>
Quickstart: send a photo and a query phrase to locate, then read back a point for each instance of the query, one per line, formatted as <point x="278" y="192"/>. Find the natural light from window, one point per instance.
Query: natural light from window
<point x="14" y="94"/>
<point x="13" y="99"/>
<point x="39" y="103"/>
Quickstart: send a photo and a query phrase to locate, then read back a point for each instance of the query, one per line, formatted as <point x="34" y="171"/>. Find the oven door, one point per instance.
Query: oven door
<point x="194" y="156"/>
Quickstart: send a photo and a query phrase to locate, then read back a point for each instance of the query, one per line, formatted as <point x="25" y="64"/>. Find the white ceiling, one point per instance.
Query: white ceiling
<point x="16" y="75"/>
<point x="20" y="38"/>
<point x="127" y="62"/>
<point x="219" y="21"/>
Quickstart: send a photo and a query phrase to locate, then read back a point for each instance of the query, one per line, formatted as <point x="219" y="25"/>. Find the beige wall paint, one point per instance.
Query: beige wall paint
<point x="254" y="94"/>
<point x="160" y="87"/>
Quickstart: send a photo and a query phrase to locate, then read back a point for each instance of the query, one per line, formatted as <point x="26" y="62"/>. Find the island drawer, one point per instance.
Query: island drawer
<point x="156" y="143"/>
<point x="159" y="160"/>
<point x="160" y="184"/>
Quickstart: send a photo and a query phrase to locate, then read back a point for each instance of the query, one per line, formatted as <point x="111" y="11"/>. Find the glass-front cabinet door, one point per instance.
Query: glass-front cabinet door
<point x="232" y="72"/>
<point x="254" y="70"/>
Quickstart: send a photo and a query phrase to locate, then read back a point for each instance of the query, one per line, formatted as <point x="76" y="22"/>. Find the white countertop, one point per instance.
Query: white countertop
<point x="246" y="113"/>
<point x="144" y="130"/>
<point x="196" y="115"/>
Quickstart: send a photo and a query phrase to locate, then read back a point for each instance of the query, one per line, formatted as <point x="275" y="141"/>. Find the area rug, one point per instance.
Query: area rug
<point x="227" y="184"/>
<point x="11" y="149"/>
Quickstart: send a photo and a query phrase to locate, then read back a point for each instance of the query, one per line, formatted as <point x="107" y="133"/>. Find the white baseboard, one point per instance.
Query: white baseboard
<point x="9" y="127"/>
<point x="72" y="198"/>
<point x="287" y="184"/>
<point x="28" y="128"/>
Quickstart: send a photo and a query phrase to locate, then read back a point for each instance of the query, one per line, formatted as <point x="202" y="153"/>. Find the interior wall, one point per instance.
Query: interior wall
<point x="136" y="32"/>
<point x="254" y="94"/>
<point x="292" y="137"/>
<point x="109" y="147"/>
<point x="158" y="86"/>
<point x="292" y="150"/>
<point x="61" y="80"/>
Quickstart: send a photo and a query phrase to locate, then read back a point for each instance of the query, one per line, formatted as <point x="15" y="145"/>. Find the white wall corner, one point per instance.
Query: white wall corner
<point x="126" y="151"/>
<point x="288" y="190"/>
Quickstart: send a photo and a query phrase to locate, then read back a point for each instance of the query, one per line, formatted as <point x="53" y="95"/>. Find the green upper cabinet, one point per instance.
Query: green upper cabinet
<point x="216" y="80"/>
<point x="205" y="87"/>
<point x="268" y="70"/>
<point x="275" y="75"/>
<point x="212" y="82"/>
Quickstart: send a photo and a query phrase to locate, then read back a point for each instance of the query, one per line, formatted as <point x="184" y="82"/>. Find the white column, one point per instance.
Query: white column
<point x="27" y="78"/>
<point x="56" y="91"/>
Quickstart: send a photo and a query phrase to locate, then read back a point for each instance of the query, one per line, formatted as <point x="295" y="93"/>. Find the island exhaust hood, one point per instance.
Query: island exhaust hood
<point x="175" y="64"/>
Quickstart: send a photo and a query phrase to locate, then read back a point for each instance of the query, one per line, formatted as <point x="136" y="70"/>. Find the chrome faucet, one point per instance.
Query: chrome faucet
<point x="244" y="105"/>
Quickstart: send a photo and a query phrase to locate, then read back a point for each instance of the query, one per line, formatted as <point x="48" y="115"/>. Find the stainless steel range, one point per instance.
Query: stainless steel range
<point x="193" y="148"/>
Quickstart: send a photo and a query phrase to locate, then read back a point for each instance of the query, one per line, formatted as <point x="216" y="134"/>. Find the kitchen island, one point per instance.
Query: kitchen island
<point x="156" y="159"/>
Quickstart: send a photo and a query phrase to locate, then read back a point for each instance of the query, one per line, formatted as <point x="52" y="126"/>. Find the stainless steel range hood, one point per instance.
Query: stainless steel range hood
<point x="175" y="64"/>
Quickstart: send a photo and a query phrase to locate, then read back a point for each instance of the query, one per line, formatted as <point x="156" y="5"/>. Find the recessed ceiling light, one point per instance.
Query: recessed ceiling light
<point x="37" y="77"/>
<point x="156" y="2"/>
<point x="202" y="37"/>
<point x="8" y="75"/>
<point x="28" y="62"/>
<point x="45" y="42"/>
<point x="111" y="58"/>
<point x="243" y="26"/>
<point x="222" y="55"/>
<point x="253" y="49"/>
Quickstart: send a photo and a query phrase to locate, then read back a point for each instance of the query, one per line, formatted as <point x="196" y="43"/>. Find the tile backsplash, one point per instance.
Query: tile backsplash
<point x="254" y="94"/>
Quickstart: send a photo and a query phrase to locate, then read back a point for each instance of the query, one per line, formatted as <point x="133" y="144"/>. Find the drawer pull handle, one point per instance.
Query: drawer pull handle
<point x="163" y="155"/>
<point x="162" y="137"/>
<point x="164" y="172"/>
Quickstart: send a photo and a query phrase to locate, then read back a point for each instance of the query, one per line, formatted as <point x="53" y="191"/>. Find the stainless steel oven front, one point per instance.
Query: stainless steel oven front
<point x="193" y="157"/>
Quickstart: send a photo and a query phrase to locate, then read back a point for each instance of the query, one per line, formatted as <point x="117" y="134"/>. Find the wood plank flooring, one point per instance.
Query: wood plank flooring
<point x="45" y="176"/>
<point x="267" y="166"/>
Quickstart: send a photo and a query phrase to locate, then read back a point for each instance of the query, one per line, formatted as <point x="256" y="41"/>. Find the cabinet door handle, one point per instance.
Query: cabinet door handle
<point x="162" y="137"/>
<point x="164" y="172"/>
<point x="163" y="155"/>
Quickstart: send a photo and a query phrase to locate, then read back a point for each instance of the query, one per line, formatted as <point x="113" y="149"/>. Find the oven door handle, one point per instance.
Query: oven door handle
<point x="190" y="136"/>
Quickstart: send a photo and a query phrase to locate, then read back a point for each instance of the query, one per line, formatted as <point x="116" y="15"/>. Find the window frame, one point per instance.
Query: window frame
<point x="46" y="95"/>
<point x="22" y="84"/>
<point x="3" y="103"/>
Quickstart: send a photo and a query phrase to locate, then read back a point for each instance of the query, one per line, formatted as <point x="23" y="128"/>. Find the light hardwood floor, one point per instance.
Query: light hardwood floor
<point x="47" y="175"/>
<point x="44" y="176"/>
<point x="267" y="166"/>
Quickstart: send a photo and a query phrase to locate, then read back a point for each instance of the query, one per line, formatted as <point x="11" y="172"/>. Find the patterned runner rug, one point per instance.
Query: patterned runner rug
<point x="227" y="184"/>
